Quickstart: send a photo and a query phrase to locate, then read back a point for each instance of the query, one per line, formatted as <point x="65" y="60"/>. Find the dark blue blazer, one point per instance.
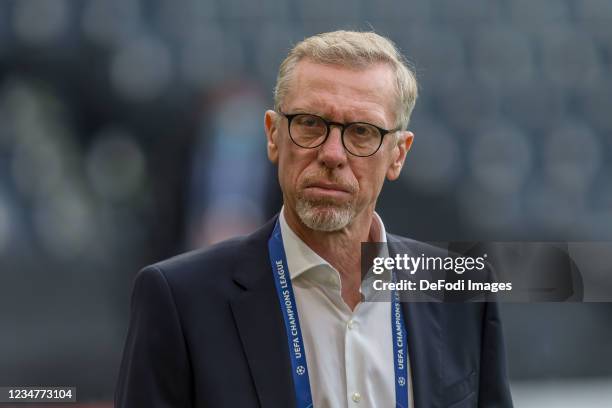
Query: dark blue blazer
<point x="206" y="330"/>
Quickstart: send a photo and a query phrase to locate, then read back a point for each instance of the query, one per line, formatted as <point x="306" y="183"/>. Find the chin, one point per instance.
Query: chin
<point x="324" y="216"/>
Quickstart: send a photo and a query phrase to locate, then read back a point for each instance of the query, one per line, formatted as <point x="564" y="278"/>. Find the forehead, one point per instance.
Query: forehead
<point x="342" y="93"/>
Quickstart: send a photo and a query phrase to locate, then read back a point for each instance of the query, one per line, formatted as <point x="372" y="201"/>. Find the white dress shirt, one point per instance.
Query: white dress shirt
<point x="349" y="352"/>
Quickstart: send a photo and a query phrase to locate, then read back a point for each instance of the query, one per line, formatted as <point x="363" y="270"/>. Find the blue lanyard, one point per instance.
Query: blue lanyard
<point x="297" y="352"/>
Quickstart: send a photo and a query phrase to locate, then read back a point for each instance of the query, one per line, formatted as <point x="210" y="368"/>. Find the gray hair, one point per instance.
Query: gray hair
<point x="356" y="50"/>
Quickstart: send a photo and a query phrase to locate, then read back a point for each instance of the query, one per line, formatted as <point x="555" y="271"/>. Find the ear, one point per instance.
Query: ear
<point x="271" y="128"/>
<point x="404" y="142"/>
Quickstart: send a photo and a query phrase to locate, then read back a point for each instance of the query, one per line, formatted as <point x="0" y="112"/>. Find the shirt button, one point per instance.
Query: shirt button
<point x="356" y="397"/>
<point x="351" y="324"/>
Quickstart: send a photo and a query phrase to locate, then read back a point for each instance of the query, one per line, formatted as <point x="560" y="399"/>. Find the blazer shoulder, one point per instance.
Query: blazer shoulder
<point x="398" y="244"/>
<point x="210" y="270"/>
<point x="215" y="264"/>
<point x="220" y="254"/>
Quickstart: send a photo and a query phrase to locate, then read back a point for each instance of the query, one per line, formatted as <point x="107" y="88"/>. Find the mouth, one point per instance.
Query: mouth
<point x="327" y="190"/>
<point x="329" y="186"/>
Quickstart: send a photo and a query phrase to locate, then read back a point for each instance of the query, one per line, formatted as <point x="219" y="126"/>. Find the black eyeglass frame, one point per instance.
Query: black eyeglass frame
<point x="342" y="127"/>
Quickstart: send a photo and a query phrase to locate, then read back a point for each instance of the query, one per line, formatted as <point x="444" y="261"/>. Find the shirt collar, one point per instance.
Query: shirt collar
<point x="301" y="258"/>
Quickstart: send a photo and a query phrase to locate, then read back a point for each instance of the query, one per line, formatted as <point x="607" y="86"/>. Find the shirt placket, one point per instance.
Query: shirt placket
<point x="353" y="381"/>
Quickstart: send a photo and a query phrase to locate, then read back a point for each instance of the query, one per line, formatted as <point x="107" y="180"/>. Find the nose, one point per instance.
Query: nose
<point x="332" y="153"/>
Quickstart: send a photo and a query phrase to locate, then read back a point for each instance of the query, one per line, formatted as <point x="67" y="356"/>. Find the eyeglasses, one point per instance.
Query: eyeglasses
<point x="358" y="138"/>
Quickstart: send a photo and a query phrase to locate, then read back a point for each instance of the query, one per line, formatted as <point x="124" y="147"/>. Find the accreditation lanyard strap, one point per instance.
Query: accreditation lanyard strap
<point x="297" y="352"/>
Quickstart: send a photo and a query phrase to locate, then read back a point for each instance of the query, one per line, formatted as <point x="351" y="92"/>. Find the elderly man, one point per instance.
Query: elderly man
<point x="278" y="318"/>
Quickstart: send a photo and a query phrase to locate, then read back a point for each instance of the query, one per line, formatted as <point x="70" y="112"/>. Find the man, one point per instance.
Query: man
<point x="277" y="318"/>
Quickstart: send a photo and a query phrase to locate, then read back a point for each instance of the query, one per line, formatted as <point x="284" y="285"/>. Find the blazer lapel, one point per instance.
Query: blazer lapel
<point x="423" y="327"/>
<point x="260" y="325"/>
<point x="425" y="351"/>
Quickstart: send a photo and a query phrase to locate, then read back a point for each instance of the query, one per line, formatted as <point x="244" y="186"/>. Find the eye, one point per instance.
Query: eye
<point x="308" y="121"/>
<point x="363" y="130"/>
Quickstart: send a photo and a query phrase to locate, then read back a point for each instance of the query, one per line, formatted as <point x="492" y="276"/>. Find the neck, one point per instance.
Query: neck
<point x="340" y="248"/>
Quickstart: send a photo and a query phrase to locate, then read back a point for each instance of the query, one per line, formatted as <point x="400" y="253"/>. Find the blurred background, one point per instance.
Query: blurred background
<point x="132" y="130"/>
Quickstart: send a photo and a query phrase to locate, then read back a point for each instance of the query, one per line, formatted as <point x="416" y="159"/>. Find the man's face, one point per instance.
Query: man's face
<point x="327" y="187"/>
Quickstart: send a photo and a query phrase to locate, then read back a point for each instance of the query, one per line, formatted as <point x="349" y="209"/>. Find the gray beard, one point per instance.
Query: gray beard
<point x="323" y="216"/>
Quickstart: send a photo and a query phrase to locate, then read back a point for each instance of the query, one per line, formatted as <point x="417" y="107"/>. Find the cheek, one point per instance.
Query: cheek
<point x="290" y="165"/>
<point x="370" y="177"/>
